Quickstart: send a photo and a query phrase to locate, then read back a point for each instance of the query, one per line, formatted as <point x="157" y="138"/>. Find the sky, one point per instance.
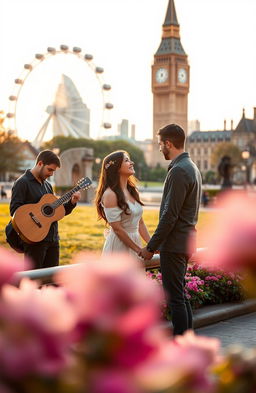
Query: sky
<point x="219" y="37"/>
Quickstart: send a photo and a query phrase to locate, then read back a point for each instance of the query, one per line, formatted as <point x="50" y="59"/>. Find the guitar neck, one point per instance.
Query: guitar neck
<point x="66" y="197"/>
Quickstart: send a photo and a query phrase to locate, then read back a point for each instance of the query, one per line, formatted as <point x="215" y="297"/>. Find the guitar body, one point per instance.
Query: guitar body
<point x="32" y="221"/>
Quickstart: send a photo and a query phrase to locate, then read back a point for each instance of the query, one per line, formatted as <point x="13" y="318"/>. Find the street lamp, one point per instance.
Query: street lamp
<point x="245" y="154"/>
<point x="246" y="157"/>
<point x="56" y="150"/>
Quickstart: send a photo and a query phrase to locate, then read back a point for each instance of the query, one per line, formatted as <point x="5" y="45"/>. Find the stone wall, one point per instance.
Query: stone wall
<point x="76" y="163"/>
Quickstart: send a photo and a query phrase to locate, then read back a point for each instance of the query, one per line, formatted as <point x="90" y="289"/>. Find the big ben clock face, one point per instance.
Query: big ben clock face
<point x="182" y="75"/>
<point x="161" y="75"/>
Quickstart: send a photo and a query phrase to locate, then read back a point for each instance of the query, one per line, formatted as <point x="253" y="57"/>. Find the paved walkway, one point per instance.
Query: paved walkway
<point x="239" y="330"/>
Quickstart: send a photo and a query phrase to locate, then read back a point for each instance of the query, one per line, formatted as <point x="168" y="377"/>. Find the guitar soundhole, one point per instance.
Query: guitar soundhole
<point x="47" y="210"/>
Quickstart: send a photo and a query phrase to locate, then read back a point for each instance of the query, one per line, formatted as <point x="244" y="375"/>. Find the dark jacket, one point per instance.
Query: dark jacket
<point x="26" y="189"/>
<point x="179" y="208"/>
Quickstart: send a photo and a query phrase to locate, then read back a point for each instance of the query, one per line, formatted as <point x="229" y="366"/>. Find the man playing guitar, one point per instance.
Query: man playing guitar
<point x="29" y="188"/>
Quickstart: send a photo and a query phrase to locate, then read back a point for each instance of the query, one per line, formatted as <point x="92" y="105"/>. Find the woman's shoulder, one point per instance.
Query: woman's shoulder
<point x="109" y="198"/>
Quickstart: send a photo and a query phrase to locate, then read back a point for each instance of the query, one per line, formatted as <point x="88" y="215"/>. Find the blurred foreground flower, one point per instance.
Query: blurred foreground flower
<point x="10" y="263"/>
<point x="118" y="313"/>
<point x="124" y="348"/>
<point x="35" y="330"/>
<point x="230" y="238"/>
<point x="99" y="332"/>
<point x="237" y="374"/>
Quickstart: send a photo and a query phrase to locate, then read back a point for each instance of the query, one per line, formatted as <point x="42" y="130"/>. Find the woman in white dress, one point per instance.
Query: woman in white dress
<point x="118" y="203"/>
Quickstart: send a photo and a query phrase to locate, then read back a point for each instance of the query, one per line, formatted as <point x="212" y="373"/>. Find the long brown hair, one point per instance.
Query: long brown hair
<point x="109" y="177"/>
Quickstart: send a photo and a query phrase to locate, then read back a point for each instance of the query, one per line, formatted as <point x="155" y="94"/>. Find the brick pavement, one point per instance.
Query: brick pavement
<point x="239" y="330"/>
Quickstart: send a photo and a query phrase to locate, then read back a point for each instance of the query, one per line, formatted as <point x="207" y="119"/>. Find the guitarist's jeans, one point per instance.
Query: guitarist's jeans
<point x="43" y="254"/>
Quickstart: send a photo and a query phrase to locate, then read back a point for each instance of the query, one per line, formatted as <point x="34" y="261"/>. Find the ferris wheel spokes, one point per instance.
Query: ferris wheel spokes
<point x="76" y="113"/>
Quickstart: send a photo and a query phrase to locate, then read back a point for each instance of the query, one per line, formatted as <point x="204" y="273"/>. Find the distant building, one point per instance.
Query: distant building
<point x="193" y="125"/>
<point x="123" y="129"/>
<point x="244" y="134"/>
<point x="133" y="132"/>
<point x="147" y="147"/>
<point x="200" y="144"/>
<point x="29" y="153"/>
<point x="170" y="81"/>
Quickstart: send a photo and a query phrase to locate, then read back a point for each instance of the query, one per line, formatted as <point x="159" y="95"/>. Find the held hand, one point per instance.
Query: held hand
<point x="75" y="197"/>
<point x="145" y="254"/>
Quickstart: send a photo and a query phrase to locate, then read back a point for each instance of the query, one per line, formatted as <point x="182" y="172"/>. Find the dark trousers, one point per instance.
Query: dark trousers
<point x="42" y="254"/>
<point x="173" y="269"/>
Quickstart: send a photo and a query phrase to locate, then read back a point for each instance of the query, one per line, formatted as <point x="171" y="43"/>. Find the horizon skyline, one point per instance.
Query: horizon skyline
<point x="219" y="44"/>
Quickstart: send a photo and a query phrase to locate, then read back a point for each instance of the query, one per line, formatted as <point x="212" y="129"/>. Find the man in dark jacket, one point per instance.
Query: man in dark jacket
<point x="175" y="233"/>
<point x="29" y="188"/>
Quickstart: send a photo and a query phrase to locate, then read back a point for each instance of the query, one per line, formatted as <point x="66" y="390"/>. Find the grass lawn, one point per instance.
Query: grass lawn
<point x="82" y="231"/>
<point x="150" y="183"/>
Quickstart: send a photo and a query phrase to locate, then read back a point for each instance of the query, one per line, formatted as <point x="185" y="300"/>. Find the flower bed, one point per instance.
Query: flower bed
<point x="206" y="286"/>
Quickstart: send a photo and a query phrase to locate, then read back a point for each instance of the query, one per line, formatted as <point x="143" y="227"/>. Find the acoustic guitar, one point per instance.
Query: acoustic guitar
<point x="33" y="220"/>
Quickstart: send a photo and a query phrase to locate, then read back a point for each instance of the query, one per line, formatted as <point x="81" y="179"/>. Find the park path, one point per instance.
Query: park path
<point x="239" y="330"/>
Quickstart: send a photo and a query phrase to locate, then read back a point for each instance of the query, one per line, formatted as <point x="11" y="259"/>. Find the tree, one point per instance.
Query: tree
<point x="226" y="149"/>
<point x="210" y="177"/>
<point x="156" y="174"/>
<point x="10" y="153"/>
<point x="101" y="148"/>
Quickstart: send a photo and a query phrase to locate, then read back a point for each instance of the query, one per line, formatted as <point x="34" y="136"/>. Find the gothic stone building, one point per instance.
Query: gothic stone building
<point x="170" y="82"/>
<point x="200" y="144"/>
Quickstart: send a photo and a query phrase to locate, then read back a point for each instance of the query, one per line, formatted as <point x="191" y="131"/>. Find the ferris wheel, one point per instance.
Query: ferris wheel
<point x="67" y="113"/>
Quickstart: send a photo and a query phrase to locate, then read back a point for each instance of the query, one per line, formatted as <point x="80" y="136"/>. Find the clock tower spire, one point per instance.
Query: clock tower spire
<point x="170" y="76"/>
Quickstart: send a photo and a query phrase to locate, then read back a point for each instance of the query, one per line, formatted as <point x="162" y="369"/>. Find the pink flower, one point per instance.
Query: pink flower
<point x="116" y="307"/>
<point x="192" y="286"/>
<point x="231" y="236"/>
<point x="117" y="285"/>
<point x="123" y="345"/>
<point x="10" y="263"/>
<point x="211" y="278"/>
<point x="35" y="330"/>
<point x="5" y="389"/>
<point x="104" y="323"/>
<point x="182" y="365"/>
<point x="193" y="356"/>
<point x="113" y="381"/>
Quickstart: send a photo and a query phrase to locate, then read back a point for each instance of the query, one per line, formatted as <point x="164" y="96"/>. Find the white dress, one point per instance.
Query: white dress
<point x="130" y="223"/>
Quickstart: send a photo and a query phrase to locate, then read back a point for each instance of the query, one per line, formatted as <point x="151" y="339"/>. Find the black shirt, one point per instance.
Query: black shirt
<point x="27" y="189"/>
<point x="179" y="207"/>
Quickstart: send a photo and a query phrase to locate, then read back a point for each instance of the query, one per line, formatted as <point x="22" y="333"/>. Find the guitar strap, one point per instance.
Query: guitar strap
<point x="47" y="187"/>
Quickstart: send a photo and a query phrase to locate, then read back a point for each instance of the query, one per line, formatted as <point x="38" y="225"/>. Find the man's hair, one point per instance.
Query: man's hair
<point x="48" y="157"/>
<point x="173" y="133"/>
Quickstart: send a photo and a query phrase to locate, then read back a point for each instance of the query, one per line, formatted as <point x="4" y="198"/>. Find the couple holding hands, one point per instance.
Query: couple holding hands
<point x="118" y="203"/>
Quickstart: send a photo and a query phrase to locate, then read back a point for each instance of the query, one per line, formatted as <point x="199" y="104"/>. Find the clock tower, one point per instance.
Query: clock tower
<point x="170" y="77"/>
